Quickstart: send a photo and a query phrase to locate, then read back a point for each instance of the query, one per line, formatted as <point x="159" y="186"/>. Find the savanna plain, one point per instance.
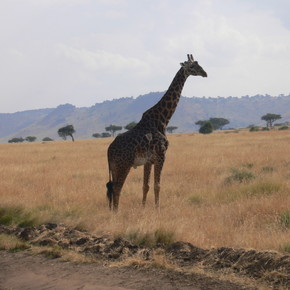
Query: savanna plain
<point x="229" y="188"/>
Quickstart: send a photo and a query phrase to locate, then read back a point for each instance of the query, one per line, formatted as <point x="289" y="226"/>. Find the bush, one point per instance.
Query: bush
<point x="240" y="175"/>
<point x="47" y="139"/>
<point x="160" y="236"/>
<point x="195" y="200"/>
<point x="284" y="128"/>
<point x="16" y="216"/>
<point x="265" y="129"/>
<point x="206" y="128"/>
<point x="254" y="129"/>
<point x="285" y="219"/>
<point x="285" y="248"/>
<point x="16" y="140"/>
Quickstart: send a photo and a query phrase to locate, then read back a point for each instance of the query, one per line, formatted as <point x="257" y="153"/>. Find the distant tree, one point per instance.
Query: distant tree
<point x="30" y="138"/>
<point x="66" y="131"/>
<point x="206" y="128"/>
<point x="130" y="125"/>
<point x="113" y="129"/>
<point x="96" y="135"/>
<point x="47" y="139"/>
<point x="16" y="140"/>
<point x="270" y="119"/>
<point x="170" y="129"/>
<point x="218" y="123"/>
<point x="105" y="135"/>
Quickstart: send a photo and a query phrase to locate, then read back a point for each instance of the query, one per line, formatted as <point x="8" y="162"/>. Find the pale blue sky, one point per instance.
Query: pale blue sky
<point x="85" y="51"/>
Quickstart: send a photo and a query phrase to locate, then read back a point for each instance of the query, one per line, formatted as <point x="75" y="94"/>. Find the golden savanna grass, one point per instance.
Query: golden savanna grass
<point x="216" y="190"/>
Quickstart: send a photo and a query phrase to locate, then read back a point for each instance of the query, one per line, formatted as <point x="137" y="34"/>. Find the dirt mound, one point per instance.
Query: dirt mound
<point x="270" y="267"/>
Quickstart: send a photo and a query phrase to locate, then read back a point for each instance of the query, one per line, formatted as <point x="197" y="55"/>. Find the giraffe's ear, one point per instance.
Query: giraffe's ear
<point x="182" y="64"/>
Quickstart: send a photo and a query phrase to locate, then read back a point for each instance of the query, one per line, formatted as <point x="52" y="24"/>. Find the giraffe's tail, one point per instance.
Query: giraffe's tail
<point x="110" y="191"/>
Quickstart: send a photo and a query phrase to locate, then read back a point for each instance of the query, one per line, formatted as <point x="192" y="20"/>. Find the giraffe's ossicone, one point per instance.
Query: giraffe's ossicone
<point x="146" y="143"/>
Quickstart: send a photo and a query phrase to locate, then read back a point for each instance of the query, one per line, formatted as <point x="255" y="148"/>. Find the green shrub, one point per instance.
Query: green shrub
<point x="254" y="129"/>
<point x="262" y="188"/>
<point x="285" y="248"/>
<point x="248" y="165"/>
<point x="265" y="129"/>
<point x="240" y="175"/>
<point x="160" y="236"/>
<point x="285" y="219"/>
<point x="164" y="237"/>
<point x="195" y="199"/>
<point x="284" y="128"/>
<point x="16" y="216"/>
<point x="206" y="128"/>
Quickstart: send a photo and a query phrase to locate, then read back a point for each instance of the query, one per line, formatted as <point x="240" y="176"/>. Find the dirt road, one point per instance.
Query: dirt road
<point x="23" y="271"/>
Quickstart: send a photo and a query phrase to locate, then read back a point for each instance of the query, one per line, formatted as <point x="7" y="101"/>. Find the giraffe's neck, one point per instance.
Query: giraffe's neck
<point x="160" y="114"/>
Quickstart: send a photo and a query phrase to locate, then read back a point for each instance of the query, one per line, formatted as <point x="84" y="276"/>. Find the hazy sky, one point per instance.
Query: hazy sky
<point x="85" y="51"/>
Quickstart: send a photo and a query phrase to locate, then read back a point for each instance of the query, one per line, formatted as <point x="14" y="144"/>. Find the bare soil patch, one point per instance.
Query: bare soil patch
<point x="186" y="267"/>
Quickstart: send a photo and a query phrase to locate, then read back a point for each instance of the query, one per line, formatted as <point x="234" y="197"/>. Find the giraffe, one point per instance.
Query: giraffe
<point x="146" y="143"/>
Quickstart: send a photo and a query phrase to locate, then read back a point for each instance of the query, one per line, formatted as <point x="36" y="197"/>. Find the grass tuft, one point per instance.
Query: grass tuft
<point x="16" y="216"/>
<point x="285" y="220"/>
<point x="239" y="175"/>
<point x="12" y="244"/>
<point x="150" y="239"/>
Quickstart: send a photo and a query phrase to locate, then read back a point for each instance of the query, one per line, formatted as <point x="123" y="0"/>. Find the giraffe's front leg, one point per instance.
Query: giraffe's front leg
<point x="158" y="165"/>
<point x="119" y="177"/>
<point x="146" y="179"/>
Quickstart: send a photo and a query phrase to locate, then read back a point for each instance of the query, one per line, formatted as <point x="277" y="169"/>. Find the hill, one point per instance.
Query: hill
<point x="41" y="123"/>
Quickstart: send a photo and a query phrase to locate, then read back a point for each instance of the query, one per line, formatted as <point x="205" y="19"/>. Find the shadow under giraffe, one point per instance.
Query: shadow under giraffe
<point x="146" y="143"/>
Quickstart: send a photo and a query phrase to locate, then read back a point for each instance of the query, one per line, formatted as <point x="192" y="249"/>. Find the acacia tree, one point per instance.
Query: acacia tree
<point x="113" y="129"/>
<point x="170" y="129"/>
<point x="46" y="139"/>
<point x="30" y="138"/>
<point x="218" y="123"/>
<point x="16" y="140"/>
<point x="270" y="119"/>
<point x="66" y="131"/>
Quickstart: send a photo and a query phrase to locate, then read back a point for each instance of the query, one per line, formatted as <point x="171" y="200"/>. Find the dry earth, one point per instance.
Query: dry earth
<point x="187" y="266"/>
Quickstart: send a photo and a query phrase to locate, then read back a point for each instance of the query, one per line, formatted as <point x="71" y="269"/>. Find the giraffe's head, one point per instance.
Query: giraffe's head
<point x="191" y="67"/>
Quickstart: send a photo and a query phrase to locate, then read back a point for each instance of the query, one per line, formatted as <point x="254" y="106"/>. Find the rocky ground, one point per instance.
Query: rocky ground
<point x="119" y="264"/>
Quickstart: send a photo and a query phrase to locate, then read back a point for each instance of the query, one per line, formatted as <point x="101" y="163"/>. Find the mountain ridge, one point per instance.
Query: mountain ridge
<point x="41" y="123"/>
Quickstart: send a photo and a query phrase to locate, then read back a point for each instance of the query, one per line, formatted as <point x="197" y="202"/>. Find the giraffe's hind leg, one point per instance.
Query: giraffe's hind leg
<point x="158" y="165"/>
<point x="146" y="179"/>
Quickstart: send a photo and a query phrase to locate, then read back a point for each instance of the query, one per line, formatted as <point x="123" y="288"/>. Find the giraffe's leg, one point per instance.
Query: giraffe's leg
<point x="119" y="178"/>
<point x="146" y="179"/>
<point x="157" y="174"/>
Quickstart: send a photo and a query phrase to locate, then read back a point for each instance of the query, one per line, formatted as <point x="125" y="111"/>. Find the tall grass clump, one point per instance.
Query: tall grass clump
<point x="12" y="244"/>
<point x="159" y="236"/>
<point x="285" y="219"/>
<point x="16" y="216"/>
<point x="239" y="175"/>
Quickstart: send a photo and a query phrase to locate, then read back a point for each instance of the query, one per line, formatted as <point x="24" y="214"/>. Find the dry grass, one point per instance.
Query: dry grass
<point x="206" y="197"/>
<point x="12" y="244"/>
